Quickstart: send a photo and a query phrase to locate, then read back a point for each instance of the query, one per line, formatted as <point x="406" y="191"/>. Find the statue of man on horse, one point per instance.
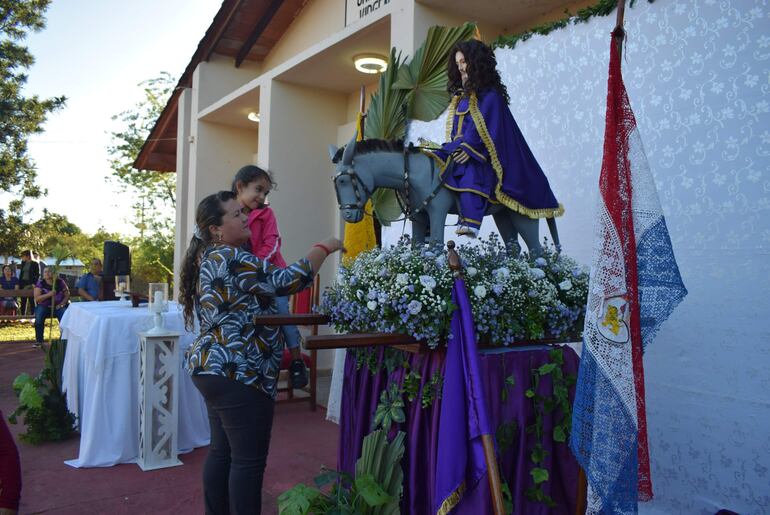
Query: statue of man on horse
<point x="485" y="167"/>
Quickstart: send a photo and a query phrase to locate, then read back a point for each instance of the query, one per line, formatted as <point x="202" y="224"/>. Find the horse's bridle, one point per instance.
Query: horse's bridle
<point x="355" y="181"/>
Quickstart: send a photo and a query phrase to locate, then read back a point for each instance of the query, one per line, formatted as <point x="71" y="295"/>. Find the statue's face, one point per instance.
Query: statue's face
<point x="462" y="66"/>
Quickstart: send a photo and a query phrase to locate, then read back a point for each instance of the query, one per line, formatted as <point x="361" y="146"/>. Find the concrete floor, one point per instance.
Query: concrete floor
<point x="302" y="442"/>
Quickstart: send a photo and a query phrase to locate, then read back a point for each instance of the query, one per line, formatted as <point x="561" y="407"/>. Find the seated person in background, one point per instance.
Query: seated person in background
<point x="8" y="281"/>
<point x="90" y="285"/>
<point x="45" y="294"/>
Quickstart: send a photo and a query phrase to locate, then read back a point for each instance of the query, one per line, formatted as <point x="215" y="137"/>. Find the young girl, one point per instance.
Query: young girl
<point x="252" y="185"/>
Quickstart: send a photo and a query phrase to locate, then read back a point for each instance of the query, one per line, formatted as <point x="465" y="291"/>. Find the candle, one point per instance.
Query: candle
<point x="158" y="299"/>
<point x="121" y="286"/>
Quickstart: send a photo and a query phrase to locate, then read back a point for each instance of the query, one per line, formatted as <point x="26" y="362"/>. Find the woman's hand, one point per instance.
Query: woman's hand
<point x="333" y="244"/>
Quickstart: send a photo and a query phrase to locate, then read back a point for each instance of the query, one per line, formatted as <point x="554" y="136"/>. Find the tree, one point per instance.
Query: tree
<point x="20" y="116"/>
<point x="154" y="192"/>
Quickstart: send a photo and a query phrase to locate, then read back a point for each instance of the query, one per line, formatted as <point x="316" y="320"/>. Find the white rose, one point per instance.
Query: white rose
<point x="480" y="291"/>
<point x="359" y="294"/>
<point x="372" y="305"/>
<point x="502" y="273"/>
<point x="541" y="262"/>
<point x="402" y="278"/>
<point x="428" y="282"/>
<point x="565" y="285"/>
<point x="471" y="271"/>
<point x="536" y="273"/>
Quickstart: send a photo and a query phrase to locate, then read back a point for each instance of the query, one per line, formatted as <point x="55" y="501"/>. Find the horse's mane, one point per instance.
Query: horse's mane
<point x="369" y="146"/>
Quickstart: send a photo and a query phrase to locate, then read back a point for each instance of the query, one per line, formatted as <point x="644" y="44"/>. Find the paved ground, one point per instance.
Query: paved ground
<point x="302" y="441"/>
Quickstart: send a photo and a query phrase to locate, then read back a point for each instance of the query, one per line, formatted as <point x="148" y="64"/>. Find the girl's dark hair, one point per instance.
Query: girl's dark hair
<point x="249" y="174"/>
<point x="481" y="67"/>
<point x="209" y="213"/>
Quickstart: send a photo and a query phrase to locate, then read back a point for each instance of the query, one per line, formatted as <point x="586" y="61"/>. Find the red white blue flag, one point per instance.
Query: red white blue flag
<point x="634" y="287"/>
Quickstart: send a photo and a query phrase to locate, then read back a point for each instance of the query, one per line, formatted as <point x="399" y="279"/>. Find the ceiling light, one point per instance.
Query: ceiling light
<point x="253" y="116"/>
<point x="370" y="63"/>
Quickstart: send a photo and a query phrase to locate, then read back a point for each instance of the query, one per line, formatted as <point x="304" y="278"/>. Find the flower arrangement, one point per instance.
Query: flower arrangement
<point x="401" y="289"/>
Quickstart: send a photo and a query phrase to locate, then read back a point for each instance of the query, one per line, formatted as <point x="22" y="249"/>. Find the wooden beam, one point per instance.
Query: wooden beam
<point x="341" y="341"/>
<point x="299" y="319"/>
<point x="258" y="30"/>
<point x="222" y="28"/>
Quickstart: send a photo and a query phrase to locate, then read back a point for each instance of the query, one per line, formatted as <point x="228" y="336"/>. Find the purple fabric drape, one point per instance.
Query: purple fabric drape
<point x="464" y="419"/>
<point x="360" y="396"/>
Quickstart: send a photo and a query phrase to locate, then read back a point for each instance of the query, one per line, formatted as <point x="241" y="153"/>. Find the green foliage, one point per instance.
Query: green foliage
<point x="431" y="390"/>
<point x="559" y="399"/>
<point x="21" y="116"/>
<point x="390" y="409"/>
<point x="410" y="90"/>
<point x="425" y="76"/>
<point x="41" y="401"/>
<point x="600" y="8"/>
<point x="375" y="489"/>
<point x="154" y="193"/>
<point x="505" y="434"/>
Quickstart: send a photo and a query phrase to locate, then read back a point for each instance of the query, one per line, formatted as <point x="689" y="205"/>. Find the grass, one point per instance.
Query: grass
<point x="24" y="331"/>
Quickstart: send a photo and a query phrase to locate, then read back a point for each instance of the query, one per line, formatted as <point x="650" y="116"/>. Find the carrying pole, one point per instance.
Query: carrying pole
<point x="619" y="33"/>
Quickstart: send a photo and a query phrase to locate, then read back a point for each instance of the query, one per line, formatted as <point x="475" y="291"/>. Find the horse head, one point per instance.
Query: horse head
<point x="351" y="188"/>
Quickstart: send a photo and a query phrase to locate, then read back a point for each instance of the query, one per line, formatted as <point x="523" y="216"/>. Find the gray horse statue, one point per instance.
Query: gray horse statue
<point x="364" y="166"/>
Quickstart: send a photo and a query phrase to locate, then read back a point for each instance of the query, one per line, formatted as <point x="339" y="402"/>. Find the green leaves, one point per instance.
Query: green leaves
<point x="385" y="117"/>
<point x="370" y="491"/>
<point x="20" y="381"/>
<point x="390" y="409"/>
<point x="298" y="500"/>
<point x="539" y="475"/>
<point x="425" y="76"/>
<point x="30" y="396"/>
<point x="505" y="434"/>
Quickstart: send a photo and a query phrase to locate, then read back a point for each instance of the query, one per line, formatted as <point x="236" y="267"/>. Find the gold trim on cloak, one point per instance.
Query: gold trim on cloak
<point x="509" y="202"/>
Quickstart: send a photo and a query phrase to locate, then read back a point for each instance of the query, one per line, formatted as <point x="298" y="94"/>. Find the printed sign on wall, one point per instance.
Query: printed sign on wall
<point x="356" y="10"/>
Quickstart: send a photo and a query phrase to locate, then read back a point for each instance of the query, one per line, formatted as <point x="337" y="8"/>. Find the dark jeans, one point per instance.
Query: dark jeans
<point x="240" y="417"/>
<point x="41" y="313"/>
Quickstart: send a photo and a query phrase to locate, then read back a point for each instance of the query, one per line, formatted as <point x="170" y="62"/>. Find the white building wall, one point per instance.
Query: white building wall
<point x="696" y="74"/>
<point x="303" y="122"/>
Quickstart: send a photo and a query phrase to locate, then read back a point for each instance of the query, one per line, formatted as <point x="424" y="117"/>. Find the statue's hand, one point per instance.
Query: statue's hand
<point x="460" y="156"/>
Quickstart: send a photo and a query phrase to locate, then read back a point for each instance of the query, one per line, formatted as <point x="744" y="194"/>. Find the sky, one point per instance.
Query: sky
<point x="96" y="52"/>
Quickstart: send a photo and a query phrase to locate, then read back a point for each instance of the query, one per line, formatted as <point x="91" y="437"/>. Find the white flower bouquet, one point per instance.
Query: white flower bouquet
<point x="406" y="290"/>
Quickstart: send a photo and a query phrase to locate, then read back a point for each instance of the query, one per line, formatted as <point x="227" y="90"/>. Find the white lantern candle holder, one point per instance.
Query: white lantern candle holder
<point x="123" y="288"/>
<point x="158" y="304"/>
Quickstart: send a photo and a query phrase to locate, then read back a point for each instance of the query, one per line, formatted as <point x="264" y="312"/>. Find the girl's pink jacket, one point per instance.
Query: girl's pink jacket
<point x="265" y="238"/>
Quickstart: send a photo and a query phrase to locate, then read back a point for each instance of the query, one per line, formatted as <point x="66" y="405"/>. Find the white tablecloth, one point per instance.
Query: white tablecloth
<point x="101" y="379"/>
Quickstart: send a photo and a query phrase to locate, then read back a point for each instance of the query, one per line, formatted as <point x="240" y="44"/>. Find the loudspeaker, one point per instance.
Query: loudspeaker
<point x="117" y="259"/>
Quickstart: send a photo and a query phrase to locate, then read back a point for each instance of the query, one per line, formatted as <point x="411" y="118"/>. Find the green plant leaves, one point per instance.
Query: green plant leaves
<point x="539" y="475"/>
<point x="21" y="381"/>
<point x="371" y="492"/>
<point x="30" y="397"/>
<point x="425" y="76"/>
<point x="297" y="501"/>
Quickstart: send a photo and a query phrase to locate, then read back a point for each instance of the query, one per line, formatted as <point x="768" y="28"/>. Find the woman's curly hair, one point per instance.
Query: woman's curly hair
<point x="481" y="66"/>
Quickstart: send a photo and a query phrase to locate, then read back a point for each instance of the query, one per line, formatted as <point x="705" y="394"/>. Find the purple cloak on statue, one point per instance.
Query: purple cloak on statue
<point x="502" y="168"/>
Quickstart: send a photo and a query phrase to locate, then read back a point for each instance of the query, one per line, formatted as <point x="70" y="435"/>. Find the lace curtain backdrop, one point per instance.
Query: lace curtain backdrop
<point x="698" y="78"/>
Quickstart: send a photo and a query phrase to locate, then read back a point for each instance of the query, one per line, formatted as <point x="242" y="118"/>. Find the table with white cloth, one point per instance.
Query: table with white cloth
<point x="101" y="380"/>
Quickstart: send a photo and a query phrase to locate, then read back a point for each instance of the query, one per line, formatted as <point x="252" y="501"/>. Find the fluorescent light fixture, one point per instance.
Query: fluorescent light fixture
<point x="370" y="63"/>
<point x="253" y="116"/>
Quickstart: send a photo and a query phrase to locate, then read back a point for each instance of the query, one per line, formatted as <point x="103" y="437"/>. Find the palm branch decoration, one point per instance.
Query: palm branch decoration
<point x="419" y="84"/>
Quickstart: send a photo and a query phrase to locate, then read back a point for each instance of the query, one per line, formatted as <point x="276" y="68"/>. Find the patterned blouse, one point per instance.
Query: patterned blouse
<point x="235" y="286"/>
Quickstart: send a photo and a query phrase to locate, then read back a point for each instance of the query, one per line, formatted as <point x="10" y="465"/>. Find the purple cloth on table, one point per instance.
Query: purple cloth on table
<point x="360" y="395"/>
<point x="463" y="420"/>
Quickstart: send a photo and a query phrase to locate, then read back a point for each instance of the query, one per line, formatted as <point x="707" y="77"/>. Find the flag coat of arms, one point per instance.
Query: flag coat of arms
<point x="634" y="286"/>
